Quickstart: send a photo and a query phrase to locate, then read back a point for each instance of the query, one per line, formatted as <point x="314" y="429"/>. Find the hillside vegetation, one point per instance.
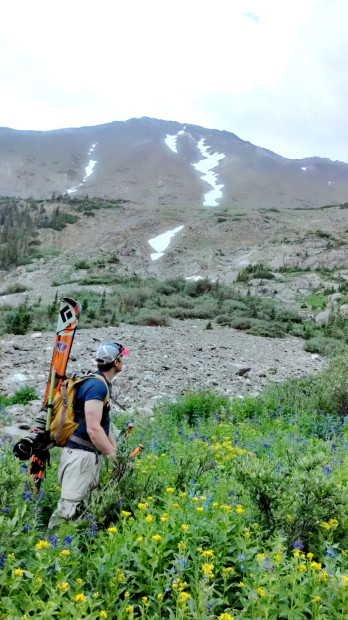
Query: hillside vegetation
<point x="234" y="510"/>
<point x="151" y="302"/>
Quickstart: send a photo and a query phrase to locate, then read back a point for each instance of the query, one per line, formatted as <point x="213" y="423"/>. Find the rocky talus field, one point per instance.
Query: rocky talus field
<point x="164" y="363"/>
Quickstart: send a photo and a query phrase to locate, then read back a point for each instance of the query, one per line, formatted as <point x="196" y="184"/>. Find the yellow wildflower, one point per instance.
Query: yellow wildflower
<point x="323" y="576"/>
<point x="344" y="579"/>
<point x="12" y="556"/>
<point x="42" y="544"/>
<point x="157" y="537"/>
<point x="38" y="580"/>
<point x="207" y="570"/>
<point x="302" y="568"/>
<point x="149" y="518"/>
<point x="160" y="596"/>
<point x="112" y="529"/>
<point x="182" y="494"/>
<point x="316" y="599"/>
<point x="125" y="513"/>
<point x="185" y="527"/>
<point x="150" y="498"/>
<point x="129" y="609"/>
<point x="310" y="555"/>
<point x="200" y="508"/>
<point x="261" y="592"/>
<point x="103" y="614"/>
<point x="140" y="538"/>
<point x="241" y="584"/>
<point x="164" y="519"/>
<point x="80" y="598"/>
<point x="225" y="507"/>
<point x="183" y="597"/>
<point x="65" y="552"/>
<point x="315" y="565"/>
<point x="18" y="572"/>
<point x="227" y="570"/>
<point x="176" y="505"/>
<point x="143" y="506"/>
<point x="202" y="498"/>
<point x="63" y="586"/>
<point x="78" y="580"/>
<point x="333" y="523"/>
<point x="225" y="616"/>
<point x="239" y="509"/>
<point x="207" y="553"/>
<point x="195" y="499"/>
<point x="170" y="490"/>
<point x="126" y="594"/>
<point x="120" y="576"/>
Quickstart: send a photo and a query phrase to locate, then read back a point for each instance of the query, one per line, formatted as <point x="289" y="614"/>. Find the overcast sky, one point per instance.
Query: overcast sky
<point x="274" y="72"/>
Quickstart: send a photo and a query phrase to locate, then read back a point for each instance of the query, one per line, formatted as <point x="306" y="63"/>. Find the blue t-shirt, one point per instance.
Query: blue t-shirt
<point x="91" y="389"/>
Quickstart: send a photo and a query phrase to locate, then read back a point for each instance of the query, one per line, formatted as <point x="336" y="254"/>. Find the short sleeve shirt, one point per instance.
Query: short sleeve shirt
<point x="91" y="389"/>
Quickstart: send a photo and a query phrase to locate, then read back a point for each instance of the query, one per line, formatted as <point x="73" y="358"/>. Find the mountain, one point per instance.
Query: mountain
<point x="153" y="162"/>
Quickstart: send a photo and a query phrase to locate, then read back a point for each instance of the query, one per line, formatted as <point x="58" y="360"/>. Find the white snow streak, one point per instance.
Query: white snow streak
<point x="161" y="242"/>
<point x="171" y="142"/>
<point x="206" y="166"/>
<point x="88" y="170"/>
<point x="304" y="168"/>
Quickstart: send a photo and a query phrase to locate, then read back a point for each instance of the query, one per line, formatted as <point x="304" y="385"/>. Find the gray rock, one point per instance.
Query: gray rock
<point x="322" y="317"/>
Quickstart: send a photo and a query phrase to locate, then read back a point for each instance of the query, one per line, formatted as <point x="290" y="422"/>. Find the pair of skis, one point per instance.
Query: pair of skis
<point x="68" y="317"/>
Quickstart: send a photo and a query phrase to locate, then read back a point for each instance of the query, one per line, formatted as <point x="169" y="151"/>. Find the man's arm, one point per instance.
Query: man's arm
<point x="112" y="439"/>
<point x="93" y="415"/>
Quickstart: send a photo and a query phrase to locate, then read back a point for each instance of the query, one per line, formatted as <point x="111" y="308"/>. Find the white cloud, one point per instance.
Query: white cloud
<point x="272" y="72"/>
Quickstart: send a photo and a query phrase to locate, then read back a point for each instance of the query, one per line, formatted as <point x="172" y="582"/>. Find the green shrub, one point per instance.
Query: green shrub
<point x="194" y="407"/>
<point x="14" y="288"/>
<point x="18" y="321"/>
<point x="152" y="319"/>
<point x="21" y="397"/>
<point x="325" y="346"/>
<point x="82" y="264"/>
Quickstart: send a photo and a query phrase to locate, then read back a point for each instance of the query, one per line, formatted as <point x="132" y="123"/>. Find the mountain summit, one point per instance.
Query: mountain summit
<point x="155" y="162"/>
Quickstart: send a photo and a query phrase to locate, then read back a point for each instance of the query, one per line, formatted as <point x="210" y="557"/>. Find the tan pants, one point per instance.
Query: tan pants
<point x="78" y="475"/>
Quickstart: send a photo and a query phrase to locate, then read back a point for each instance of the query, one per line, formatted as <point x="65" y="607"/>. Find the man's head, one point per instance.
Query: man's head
<point x="110" y="355"/>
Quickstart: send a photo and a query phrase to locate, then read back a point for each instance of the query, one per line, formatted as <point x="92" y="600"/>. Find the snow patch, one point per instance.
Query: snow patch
<point x="171" y="142"/>
<point x="304" y="168"/>
<point x="206" y="166"/>
<point x="161" y="242"/>
<point x="88" y="170"/>
<point x="194" y="278"/>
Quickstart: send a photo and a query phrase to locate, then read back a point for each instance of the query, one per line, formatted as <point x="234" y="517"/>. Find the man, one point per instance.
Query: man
<point x="79" y="467"/>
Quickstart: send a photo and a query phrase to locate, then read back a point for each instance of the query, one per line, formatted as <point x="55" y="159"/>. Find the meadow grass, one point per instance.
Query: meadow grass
<point x="237" y="510"/>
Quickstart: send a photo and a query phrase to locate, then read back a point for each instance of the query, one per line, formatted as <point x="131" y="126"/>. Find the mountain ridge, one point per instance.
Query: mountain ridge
<point x="132" y="161"/>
